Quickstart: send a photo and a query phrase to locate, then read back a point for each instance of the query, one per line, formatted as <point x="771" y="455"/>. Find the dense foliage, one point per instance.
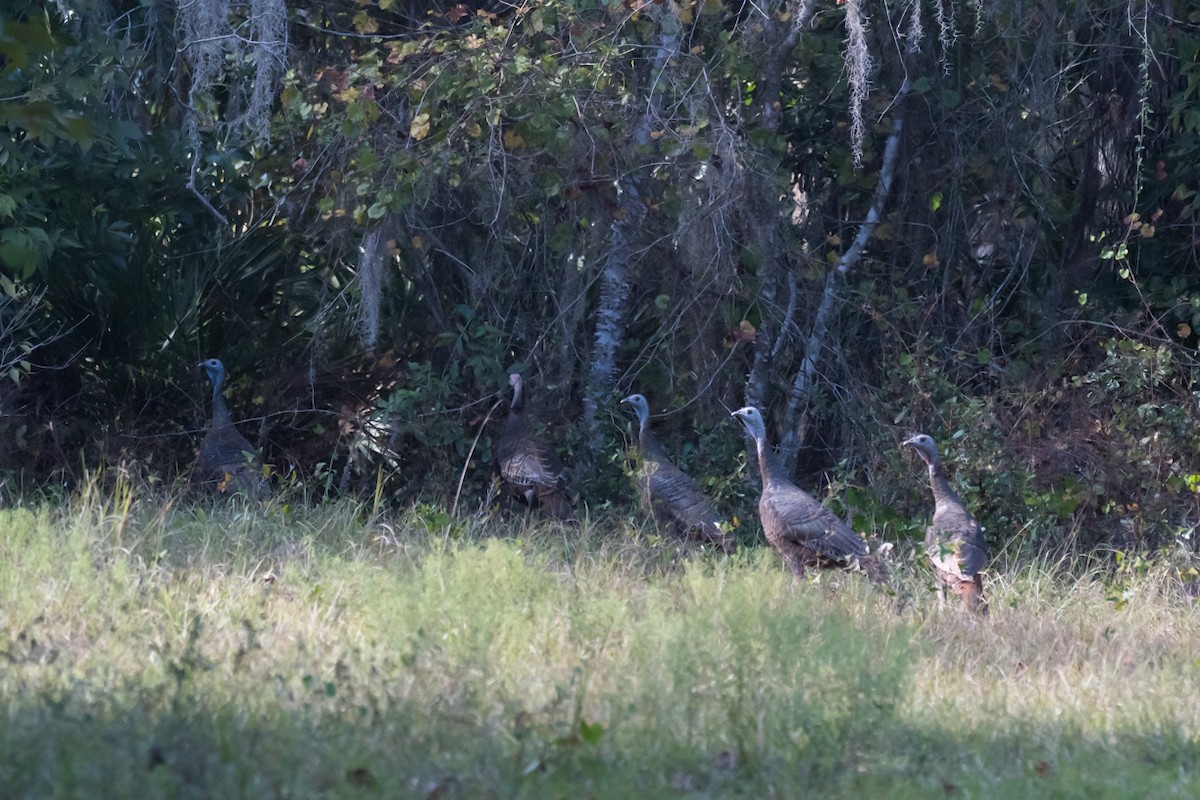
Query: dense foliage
<point x="976" y="219"/>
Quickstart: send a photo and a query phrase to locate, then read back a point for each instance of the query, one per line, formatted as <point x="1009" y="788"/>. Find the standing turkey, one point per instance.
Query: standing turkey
<point x="954" y="542"/>
<point x="529" y="464"/>
<point x="672" y="497"/>
<point x="227" y="463"/>
<point x="802" y="530"/>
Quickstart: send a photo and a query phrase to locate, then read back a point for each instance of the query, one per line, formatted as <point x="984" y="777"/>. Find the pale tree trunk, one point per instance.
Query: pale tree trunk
<point x="615" y="280"/>
<point x="610" y="330"/>
<point x="765" y="218"/>
<point x="370" y="284"/>
<point x="765" y="213"/>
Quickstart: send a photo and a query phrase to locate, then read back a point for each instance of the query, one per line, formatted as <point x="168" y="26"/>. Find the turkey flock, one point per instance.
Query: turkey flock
<point x="804" y="532"/>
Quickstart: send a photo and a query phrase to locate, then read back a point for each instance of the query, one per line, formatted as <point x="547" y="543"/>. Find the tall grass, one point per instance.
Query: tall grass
<point x="156" y="649"/>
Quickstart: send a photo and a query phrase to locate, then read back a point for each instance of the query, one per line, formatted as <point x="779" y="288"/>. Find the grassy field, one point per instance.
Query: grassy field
<point x="152" y="649"/>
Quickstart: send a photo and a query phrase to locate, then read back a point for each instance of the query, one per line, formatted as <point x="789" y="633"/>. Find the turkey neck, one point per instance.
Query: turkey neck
<point x="518" y="401"/>
<point x="943" y="495"/>
<point x="648" y="442"/>
<point x="764" y="463"/>
<point x="515" y="424"/>
<point x="221" y="416"/>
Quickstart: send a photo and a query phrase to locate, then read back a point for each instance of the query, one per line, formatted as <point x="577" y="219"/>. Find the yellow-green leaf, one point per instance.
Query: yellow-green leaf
<point x="365" y="23"/>
<point x="418" y="129"/>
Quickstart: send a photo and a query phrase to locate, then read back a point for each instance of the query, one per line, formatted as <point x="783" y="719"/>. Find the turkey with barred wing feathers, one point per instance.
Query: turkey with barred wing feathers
<point x="528" y="464"/>
<point x="673" y="499"/>
<point x="802" y="530"/>
<point x="227" y="463"/>
<point x="954" y="542"/>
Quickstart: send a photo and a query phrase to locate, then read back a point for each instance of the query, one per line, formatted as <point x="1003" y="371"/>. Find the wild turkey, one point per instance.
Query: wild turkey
<point x="674" y="499"/>
<point x="802" y="530"/>
<point x="528" y="464"/>
<point x="227" y="463"/>
<point x="954" y="542"/>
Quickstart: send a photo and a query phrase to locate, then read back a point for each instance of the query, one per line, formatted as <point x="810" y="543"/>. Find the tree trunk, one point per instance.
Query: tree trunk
<point x="765" y="217"/>
<point x="615" y="280"/>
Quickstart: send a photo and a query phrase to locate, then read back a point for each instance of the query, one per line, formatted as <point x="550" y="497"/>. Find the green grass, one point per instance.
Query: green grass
<point x="150" y="648"/>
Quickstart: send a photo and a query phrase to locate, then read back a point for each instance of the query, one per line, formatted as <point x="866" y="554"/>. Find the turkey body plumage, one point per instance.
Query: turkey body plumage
<point x="226" y="463"/>
<point x="953" y="541"/>
<point x="672" y="497"/>
<point x="528" y="464"/>
<point x="803" y="531"/>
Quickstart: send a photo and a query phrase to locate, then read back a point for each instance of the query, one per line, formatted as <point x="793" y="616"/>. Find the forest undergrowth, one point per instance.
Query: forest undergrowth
<point x="155" y="647"/>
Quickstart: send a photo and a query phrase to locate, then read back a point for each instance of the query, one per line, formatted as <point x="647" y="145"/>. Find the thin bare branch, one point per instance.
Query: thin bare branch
<point x="804" y="384"/>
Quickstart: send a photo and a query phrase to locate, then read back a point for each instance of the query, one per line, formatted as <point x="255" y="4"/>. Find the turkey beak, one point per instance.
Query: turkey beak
<point x="912" y="442"/>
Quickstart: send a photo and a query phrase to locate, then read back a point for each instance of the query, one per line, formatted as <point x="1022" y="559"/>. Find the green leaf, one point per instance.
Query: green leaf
<point x="18" y="252"/>
<point x="80" y="131"/>
<point x="590" y="734"/>
<point x="18" y="39"/>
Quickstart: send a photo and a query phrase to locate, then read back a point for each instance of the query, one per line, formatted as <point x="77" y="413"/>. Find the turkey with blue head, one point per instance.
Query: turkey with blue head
<point x="670" y="495"/>
<point x="227" y="464"/>
<point x="953" y="541"/>
<point x="804" y="532"/>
